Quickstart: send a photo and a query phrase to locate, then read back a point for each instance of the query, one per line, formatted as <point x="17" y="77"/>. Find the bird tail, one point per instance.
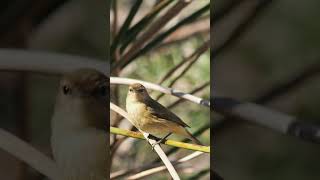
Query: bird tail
<point x="194" y="139"/>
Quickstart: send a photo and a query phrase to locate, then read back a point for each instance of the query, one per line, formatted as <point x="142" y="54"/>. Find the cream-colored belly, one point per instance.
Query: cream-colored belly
<point x="81" y="156"/>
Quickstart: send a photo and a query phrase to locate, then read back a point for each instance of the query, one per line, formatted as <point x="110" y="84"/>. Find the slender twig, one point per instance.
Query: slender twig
<point x="196" y="28"/>
<point x="165" y="34"/>
<point x="154" y="167"/>
<point x="125" y="26"/>
<point x="152" y="86"/>
<point x="152" y="30"/>
<point x="134" y="31"/>
<point x="181" y="39"/>
<point x="197" y="89"/>
<point x="196" y="56"/>
<point x="26" y="153"/>
<point x="162" y="168"/>
<point x="193" y="56"/>
<point x="191" y="60"/>
<point x="137" y="135"/>
<point x="157" y="147"/>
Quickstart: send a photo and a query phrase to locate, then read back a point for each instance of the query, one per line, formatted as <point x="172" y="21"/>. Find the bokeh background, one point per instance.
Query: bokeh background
<point x="27" y="99"/>
<point x="278" y="43"/>
<point x="152" y="66"/>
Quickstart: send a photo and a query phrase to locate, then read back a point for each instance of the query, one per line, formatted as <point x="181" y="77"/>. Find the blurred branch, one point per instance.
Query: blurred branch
<point x="279" y="90"/>
<point x="173" y="29"/>
<point x="138" y="27"/>
<point x="28" y="154"/>
<point x="241" y="27"/>
<point x="137" y="135"/>
<point x="125" y="26"/>
<point x="277" y="121"/>
<point x="162" y="168"/>
<point x="197" y="89"/>
<point x="200" y="174"/>
<point x="15" y="60"/>
<point x="175" y="40"/>
<point x="196" y="28"/>
<point x="224" y="11"/>
<point x="191" y="60"/>
<point x="151" y="168"/>
<point x="157" y="147"/>
<point x="152" y="86"/>
<point x="293" y="82"/>
<point x="194" y="56"/>
<point x="115" y="18"/>
<point x="151" y="31"/>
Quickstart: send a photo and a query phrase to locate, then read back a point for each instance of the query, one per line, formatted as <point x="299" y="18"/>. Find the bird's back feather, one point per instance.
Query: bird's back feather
<point x="160" y="111"/>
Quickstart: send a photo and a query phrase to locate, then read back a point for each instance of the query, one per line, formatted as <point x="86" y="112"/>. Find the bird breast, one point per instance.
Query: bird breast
<point x="136" y="111"/>
<point x="81" y="155"/>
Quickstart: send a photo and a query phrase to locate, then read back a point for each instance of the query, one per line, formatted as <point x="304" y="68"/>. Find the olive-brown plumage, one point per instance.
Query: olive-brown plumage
<point x="79" y="126"/>
<point x="151" y="117"/>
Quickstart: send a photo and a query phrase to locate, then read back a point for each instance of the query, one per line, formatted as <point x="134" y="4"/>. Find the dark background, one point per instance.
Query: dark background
<point x="278" y="42"/>
<point x="27" y="99"/>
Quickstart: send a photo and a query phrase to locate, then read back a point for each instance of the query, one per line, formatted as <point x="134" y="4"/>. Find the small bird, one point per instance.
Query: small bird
<point x="151" y="117"/>
<point x="79" y="126"/>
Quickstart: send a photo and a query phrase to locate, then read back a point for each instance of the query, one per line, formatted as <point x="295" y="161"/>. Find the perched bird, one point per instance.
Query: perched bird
<point x="153" y="118"/>
<point x="79" y="126"/>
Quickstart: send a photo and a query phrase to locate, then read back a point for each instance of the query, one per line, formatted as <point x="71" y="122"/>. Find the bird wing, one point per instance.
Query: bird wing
<point x="160" y="111"/>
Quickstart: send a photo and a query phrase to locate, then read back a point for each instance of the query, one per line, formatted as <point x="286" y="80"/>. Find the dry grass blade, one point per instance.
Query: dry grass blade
<point x="191" y="60"/>
<point x="192" y="57"/>
<point x="162" y="168"/>
<point x="150" y="32"/>
<point x="152" y="168"/>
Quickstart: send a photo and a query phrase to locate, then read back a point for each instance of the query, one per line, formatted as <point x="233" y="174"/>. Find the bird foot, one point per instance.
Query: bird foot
<point x="158" y="140"/>
<point x="156" y="143"/>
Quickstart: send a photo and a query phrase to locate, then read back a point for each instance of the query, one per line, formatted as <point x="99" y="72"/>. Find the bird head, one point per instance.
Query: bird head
<point x="137" y="92"/>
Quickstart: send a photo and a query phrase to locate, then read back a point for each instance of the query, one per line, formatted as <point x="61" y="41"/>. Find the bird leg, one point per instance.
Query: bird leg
<point x="160" y="141"/>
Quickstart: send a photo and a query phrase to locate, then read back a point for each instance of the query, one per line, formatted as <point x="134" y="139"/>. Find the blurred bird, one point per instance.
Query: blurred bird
<point x="153" y="118"/>
<point x="79" y="126"/>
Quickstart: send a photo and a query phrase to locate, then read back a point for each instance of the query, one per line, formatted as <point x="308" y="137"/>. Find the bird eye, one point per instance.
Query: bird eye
<point x="66" y="90"/>
<point x="131" y="90"/>
<point x="140" y="90"/>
